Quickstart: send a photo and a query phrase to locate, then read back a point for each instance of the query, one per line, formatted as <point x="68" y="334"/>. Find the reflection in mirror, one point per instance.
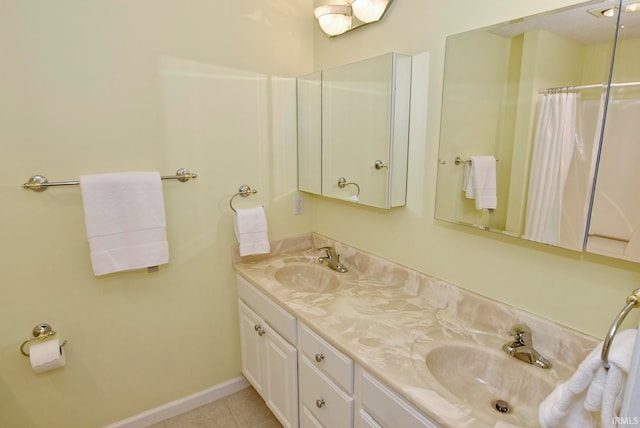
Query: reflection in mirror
<point x="309" y="90"/>
<point x="529" y="94"/>
<point x="614" y="228"/>
<point x="365" y="119"/>
<point x="353" y="131"/>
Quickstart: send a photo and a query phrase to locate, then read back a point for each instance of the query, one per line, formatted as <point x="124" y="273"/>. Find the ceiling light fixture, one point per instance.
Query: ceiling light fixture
<point x="369" y="10"/>
<point x="336" y="19"/>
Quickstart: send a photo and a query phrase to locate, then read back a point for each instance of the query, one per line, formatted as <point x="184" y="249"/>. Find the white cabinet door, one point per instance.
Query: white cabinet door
<point x="281" y="370"/>
<point x="270" y="364"/>
<point x="252" y="348"/>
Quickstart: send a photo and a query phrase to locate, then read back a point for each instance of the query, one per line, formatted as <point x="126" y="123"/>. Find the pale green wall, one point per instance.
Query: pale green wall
<point x="114" y="85"/>
<point x="578" y="290"/>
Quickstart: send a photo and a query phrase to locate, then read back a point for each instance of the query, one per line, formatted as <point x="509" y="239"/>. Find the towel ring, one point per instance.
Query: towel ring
<point x="243" y="191"/>
<point x="342" y="183"/>
<point x="42" y="331"/>
<point x="633" y="301"/>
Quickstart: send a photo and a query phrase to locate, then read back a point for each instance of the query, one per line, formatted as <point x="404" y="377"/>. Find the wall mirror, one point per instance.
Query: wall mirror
<point x="353" y="131"/>
<point x="527" y="100"/>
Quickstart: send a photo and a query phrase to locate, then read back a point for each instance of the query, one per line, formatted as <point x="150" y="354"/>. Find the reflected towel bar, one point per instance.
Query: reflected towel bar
<point x="459" y="160"/>
<point x="39" y="183"/>
<point x="633" y="301"/>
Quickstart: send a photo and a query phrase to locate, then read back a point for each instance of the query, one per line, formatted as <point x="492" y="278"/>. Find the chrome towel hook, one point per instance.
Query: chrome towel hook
<point x="41" y="331"/>
<point x="243" y="191"/>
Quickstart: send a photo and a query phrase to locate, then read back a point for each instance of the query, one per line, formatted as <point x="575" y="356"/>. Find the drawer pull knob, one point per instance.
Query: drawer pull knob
<point x="259" y="329"/>
<point x="320" y="403"/>
<point x="319" y="357"/>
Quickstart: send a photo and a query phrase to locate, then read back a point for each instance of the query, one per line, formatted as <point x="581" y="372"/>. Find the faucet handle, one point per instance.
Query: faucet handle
<point x="331" y="252"/>
<point x="521" y="332"/>
<point x="518" y="329"/>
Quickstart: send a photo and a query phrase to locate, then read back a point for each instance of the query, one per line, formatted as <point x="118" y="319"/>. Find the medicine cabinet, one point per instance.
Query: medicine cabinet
<point x="498" y="82"/>
<point x="353" y="131"/>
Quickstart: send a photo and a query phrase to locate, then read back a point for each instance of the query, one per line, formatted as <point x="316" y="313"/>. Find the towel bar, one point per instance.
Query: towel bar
<point x="243" y="191"/>
<point x="633" y="301"/>
<point x="459" y="160"/>
<point x="39" y="183"/>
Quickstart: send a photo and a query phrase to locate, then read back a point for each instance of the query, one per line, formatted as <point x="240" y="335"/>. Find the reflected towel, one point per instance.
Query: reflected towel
<point x="125" y="221"/>
<point x="591" y="389"/>
<point x="480" y="181"/>
<point x="251" y="230"/>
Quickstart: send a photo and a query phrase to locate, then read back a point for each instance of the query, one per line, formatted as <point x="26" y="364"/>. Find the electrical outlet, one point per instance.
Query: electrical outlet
<point x="298" y="205"/>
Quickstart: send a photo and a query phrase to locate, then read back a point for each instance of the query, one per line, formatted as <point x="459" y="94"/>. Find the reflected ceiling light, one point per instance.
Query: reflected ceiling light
<point x="632" y="7"/>
<point x="612" y="11"/>
<point x="334" y="19"/>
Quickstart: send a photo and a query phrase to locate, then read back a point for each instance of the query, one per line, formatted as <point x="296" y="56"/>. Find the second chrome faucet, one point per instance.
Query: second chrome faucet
<point x="522" y="347"/>
<point x="332" y="259"/>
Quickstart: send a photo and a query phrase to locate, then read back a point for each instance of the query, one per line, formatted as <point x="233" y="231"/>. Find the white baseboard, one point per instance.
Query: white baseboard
<point x="182" y="405"/>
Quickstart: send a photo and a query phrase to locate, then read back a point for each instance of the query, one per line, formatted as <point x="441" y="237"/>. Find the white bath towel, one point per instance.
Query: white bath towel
<point x="125" y="221"/>
<point x="591" y="390"/>
<point x="251" y="230"/>
<point x="480" y="181"/>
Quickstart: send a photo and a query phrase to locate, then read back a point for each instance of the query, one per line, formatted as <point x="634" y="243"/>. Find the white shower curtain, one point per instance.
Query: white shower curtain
<point x="556" y="136"/>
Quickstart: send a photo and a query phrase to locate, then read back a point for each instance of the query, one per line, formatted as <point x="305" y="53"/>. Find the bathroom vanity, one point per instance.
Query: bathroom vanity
<point x="384" y="346"/>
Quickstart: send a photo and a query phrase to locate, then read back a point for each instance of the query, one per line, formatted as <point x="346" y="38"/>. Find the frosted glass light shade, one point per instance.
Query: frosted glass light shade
<point x="333" y="19"/>
<point x="369" y="10"/>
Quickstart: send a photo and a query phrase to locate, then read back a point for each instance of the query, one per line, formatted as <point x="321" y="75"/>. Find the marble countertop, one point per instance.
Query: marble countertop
<point x="388" y="318"/>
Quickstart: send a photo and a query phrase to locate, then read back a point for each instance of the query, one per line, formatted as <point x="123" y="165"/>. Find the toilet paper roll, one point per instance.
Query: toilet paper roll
<point x="46" y="356"/>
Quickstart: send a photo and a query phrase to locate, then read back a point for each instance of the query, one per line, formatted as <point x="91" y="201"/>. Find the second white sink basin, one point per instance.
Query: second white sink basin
<point x="494" y="385"/>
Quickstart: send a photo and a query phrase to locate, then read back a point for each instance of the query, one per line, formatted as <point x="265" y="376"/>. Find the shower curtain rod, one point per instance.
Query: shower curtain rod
<point x="584" y="87"/>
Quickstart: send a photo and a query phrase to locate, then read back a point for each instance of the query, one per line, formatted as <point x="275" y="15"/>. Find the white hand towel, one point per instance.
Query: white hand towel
<point x="483" y="176"/>
<point x="591" y="389"/>
<point x="251" y="230"/>
<point x="605" y="392"/>
<point x="467" y="180"/>
<point x="125" y="221"/>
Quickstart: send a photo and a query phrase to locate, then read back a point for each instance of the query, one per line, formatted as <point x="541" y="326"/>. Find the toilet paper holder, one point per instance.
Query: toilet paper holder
<point x="41" y="331"/>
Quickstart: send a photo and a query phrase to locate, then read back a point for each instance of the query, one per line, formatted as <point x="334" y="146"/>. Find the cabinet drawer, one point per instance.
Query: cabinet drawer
<point x="279" y="319"/>
<point x="323" y="355"/>
<point x="386" y="407"/>
<point x="331" y="406"/>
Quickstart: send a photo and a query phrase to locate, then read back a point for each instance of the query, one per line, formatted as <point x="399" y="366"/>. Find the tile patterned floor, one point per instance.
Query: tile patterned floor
<point x="244" y="409"/>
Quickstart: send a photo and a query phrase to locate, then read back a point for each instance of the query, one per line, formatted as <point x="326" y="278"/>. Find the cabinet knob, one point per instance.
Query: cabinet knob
<point x="319" y="357"/>
<point x="320" y="403"/>
<point x="259" y="329"/>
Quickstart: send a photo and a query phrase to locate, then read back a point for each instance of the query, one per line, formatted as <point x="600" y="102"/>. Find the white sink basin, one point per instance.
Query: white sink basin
<point x="316" y="278"/>
<point x="489" y="382"/>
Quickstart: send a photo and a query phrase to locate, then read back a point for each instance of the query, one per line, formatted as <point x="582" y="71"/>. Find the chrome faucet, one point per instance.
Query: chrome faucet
<point x="332" y="259"/>
<point x="522" y="347"/>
